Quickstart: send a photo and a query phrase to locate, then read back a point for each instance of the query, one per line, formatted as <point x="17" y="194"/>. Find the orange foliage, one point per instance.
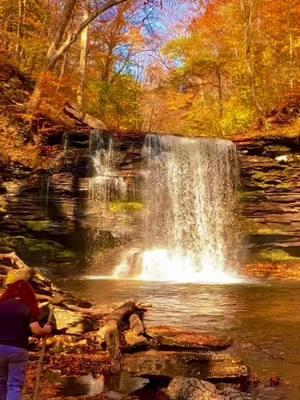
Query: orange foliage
<point x="55" y="93"/>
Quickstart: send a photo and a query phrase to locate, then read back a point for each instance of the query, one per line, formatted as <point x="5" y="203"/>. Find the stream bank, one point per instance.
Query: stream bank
<point x="97" y="346"/>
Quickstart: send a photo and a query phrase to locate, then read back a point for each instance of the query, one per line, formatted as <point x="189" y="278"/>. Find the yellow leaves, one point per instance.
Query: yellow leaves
<point x="180" y="101"/>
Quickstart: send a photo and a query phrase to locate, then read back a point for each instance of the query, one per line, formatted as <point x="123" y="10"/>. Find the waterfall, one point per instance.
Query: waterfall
<point x="45" y="189"/>
<point x="65" y="143"/>
<point x="105" y="184"/>
<point x="190" y="227"/>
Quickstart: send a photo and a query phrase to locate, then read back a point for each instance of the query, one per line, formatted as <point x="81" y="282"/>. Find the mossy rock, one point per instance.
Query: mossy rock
<point x="276" y="255"/>
<point x="278" y="149"/>
<point x="35" y="249"/>
<point x="118" y="207"/>
<point x="11" y="242"/>
<point x="285" y="186"/>
<point x="266" y="177"/>
<point x="248" y="196"/>
<point x="37" y="226"/>
<point x="259" y="176"/>
<point x="270" y="231"/>
<point x="66" y="255"/>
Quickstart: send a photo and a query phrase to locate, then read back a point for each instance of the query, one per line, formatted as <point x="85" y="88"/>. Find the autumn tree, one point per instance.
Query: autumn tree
<point x="24" y="31"/>
<point x="232" y="75"/>
<point x="65" y="34"/>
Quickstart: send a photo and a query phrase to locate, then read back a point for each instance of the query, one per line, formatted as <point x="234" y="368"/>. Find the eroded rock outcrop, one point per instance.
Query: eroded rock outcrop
<point x="57" y="207"/>
<point x="270" y="170"/>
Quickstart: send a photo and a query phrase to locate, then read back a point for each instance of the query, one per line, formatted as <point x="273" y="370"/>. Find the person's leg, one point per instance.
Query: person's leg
<point x="16" y="373"/>
<point x="3" y="372"/>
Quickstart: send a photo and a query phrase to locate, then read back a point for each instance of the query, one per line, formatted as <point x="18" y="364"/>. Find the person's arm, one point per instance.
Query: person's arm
<point x="39" y="330"/>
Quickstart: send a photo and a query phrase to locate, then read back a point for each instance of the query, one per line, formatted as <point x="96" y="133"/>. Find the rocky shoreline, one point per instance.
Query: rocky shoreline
<point x="97" y="354"/>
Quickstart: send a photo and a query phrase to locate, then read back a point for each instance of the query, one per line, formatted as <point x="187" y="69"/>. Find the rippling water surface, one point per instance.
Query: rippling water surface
<point x="263" y="318"/>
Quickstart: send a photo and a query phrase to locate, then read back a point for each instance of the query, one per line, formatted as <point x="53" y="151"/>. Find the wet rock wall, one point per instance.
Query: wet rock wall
<point x="52" y="216"/>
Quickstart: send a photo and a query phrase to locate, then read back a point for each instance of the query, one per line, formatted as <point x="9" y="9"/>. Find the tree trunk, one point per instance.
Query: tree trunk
<point x="82" y="62"/>
<point x="20" y="20"/>
<point x="291" y="46"/>
<point x="36" y="96"/>
<point x="248" y="16"/>
<point x="59" y="45"/>
<point x="110" y="334"/>
<point x="62" y="69"/>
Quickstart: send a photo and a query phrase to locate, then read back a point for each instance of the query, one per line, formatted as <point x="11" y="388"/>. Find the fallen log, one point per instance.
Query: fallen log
<point x="134" y="337"/>
<point x="195" y="364"/>
<point x="109" y="332"/>
<point x="136" y="324"/>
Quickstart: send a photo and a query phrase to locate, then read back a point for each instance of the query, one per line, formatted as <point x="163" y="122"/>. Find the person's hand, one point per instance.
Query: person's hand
<point x="47" y="328"/>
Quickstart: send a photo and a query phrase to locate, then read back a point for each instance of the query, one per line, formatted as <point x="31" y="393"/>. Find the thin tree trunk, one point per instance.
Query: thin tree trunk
<point x="220" y="97"/>
<point x="248" y="16"/>
<point x="62" y="70"/>
<point x="220" y="92"/>
<point x="291" y="46"/>
<point x="83" y="61"/>
<point x="58" y="46"/>
<point x="152" y="114"/>
<point x="20" y="19"/>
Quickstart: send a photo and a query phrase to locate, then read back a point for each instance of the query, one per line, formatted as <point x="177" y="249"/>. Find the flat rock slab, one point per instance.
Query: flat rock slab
<point x="196" y="364"/>
<point x="169" y="337"/>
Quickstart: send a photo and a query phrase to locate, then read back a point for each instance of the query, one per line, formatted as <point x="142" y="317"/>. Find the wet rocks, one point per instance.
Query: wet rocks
<point x="271" y="196"/>
<point x="170" y="337"/>
<point x="58" y="198"/>
<point x="182" y="388"/>
<point x="198" y="364"/>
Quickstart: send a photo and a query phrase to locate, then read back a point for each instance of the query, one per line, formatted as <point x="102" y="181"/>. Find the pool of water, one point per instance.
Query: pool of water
<point x="262" y="317"/>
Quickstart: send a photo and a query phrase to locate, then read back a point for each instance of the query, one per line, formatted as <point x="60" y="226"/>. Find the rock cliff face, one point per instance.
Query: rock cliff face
<point x="58" y="216"/>
<point x="270" y="172"/>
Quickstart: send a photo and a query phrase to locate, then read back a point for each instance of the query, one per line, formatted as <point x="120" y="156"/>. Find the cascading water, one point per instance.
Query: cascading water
<point x="190" y="230"/>
<point x="105" y="184"/>
<point x="45" y="189"/>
